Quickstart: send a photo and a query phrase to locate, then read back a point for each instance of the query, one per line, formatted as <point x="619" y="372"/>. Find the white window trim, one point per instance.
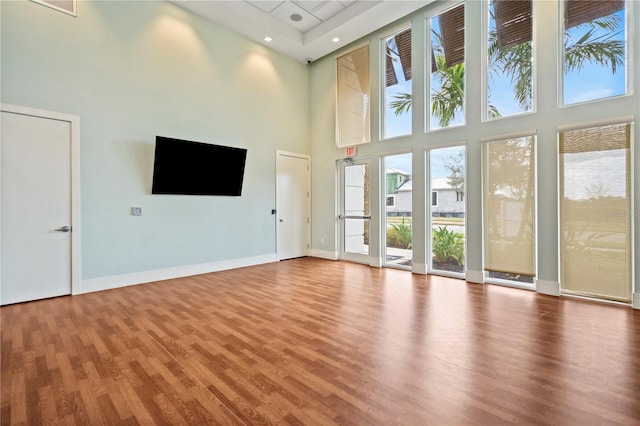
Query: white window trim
<point x="427" y="67"/>
<point x="484" y="72"/>
<point x="517" y="135"/>
<point x="629" y="56"/>
<point x="382" y="121"/>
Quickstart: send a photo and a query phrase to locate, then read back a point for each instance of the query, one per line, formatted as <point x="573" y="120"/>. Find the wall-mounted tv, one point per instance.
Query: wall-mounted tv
<point x="195" y="168"/>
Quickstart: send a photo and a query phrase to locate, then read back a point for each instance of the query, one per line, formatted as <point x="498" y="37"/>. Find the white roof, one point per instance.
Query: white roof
<point x="440" y="183"/>
<point x="391" y="170"/>
<point x="436" y="184"/>
<point x="406" y="186"/>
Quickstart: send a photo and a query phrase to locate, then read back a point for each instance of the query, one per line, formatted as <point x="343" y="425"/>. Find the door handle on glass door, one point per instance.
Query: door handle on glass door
<point x="63" y="229"/>
<point x="281" y="220"/>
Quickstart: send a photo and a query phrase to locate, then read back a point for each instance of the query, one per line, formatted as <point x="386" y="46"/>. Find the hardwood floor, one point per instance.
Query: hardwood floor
<point x="317" y="342"/>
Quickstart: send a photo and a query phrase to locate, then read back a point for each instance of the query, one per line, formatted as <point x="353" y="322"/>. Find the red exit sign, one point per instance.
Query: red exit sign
<point x="350" y="151"/>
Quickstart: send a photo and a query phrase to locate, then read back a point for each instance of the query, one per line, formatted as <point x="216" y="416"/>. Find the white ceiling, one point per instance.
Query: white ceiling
<point x="303" y="29"/>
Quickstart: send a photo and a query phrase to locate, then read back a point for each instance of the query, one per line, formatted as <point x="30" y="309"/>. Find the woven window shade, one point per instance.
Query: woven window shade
<point x="513" y="22"/>
<point x="580" y="11"/>
<point x="509" y="206"/>
<point x="390" y="77"/>
<point x="452" y="30"/>
<point x="595" y="212"/>
<point x="353" y="111"/>
<point x="403" y="43"/>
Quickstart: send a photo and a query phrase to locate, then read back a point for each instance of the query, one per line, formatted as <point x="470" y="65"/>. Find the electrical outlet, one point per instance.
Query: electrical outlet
<point x="136" y="211"/>
<point x="321" y="240"/>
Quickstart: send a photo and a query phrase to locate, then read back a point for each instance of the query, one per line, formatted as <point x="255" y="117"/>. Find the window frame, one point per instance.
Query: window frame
<point x="501" y="138"/>
<point x="382" y="120"/>
<point x="633" y="202"/>
<point x="428" y="59"/>
<point x="629" y="56"/>
<point x="484" y="72"/>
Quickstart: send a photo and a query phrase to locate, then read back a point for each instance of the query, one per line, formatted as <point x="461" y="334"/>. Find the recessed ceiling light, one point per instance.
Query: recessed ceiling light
<point x="335" y="39"/>
<point x="268" y="39"/>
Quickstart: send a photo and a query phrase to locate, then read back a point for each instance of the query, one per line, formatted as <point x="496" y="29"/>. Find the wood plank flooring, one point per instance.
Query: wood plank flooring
<point x="317" y="342"/>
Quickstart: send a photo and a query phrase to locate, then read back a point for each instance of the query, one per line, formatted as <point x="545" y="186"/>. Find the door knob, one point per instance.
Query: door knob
<point x="63" y="229"/>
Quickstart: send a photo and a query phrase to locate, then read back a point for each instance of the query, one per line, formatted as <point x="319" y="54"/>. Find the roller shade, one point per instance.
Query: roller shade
<point x="509" y="206"/>
<point x="353" y="109"/>
<point x="595" y="211"/>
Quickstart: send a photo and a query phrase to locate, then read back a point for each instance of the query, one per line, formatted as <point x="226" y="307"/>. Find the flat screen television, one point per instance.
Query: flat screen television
<point x="195" y="168"/>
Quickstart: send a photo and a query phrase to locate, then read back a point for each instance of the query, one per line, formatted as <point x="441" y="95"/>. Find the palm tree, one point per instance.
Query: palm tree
<point x="449" y="99"/>
<point x="592" y="47"/>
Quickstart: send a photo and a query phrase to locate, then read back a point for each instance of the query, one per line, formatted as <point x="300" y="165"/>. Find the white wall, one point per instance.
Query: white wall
<point x="544" y="122"/>
<point x="134" y="70"/>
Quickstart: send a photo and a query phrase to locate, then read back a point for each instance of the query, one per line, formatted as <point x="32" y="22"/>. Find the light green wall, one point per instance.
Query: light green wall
<point x="132" y="70"/>
<point x="544" y="122"/>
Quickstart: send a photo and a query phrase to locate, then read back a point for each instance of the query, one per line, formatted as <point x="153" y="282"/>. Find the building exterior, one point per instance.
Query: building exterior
<point x="445" y="201"/>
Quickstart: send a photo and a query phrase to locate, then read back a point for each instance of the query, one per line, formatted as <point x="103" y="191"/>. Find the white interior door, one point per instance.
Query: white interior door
<point x="35" y="207"/>
<point x="293" y="186"/>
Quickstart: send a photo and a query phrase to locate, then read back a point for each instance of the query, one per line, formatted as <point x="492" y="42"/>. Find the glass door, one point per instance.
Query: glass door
<point x="354" y="215"/>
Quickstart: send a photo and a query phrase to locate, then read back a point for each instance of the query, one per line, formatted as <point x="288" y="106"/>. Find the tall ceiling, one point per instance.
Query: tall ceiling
<point x="304" y="30"/>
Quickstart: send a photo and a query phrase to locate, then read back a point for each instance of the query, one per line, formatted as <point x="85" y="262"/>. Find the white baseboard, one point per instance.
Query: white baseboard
<point x="550" y="288"/>
<point x="116" y="281"/>
<point x="474" y="277"/>
<point x="324" y="254"/>
<point x="419" y="268"/>
<point x="636" y="300"/>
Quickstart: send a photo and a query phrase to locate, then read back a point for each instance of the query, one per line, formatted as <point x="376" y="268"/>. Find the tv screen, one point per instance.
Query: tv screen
<point x="196" y="168"/>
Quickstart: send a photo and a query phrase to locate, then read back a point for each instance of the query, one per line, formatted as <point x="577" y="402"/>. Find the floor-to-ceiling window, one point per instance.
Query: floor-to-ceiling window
<point x="484" y="72"/>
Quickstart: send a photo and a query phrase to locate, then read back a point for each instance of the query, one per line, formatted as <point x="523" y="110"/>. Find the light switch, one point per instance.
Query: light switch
<point x="136" y="211"/>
